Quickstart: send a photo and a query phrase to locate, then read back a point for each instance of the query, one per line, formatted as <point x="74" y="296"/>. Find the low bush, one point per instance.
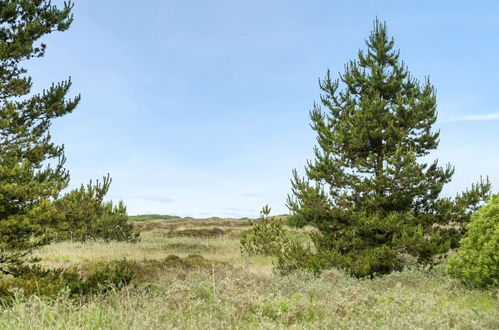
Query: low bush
<point x="98" y="278"/>
<point x="298" y="256"/>
<point x="85" y="215"/>
<point x="267" y="236"/>
<point x="366" y="263"/>
<point x="203" y="232"/>
<point x="380" y="244"/>
<point x="477" y="260"/>
<point x="91" y="278"/>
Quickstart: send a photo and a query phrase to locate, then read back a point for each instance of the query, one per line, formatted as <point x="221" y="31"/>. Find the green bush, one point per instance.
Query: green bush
<point x="266" y="236"/>
<point x="86" y="216"/>
<point x="362" y="263"/>
<point x="94" y="279"/>
<point x="477" y="260"/>
<point x="297" y="255"/>
<point x="379" y="245"/>
<point x="97" y="277"/>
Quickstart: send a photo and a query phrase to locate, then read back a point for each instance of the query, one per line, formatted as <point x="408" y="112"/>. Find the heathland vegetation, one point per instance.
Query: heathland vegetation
<point x="370" y="241"/>
<point x="198" y="281"/>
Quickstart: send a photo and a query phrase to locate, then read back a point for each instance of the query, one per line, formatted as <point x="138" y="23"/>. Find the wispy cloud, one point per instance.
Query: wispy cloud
<point x="481" y="117"/>
<point x="162" y="200"/>
<point x="252" y="195"/>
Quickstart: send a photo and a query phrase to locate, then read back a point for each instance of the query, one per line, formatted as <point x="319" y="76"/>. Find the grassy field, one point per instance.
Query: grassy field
<point x="222" y="289"/>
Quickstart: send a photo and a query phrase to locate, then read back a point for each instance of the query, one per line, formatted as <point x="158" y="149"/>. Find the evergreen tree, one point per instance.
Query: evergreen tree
<point x="28" y="183"/>
<point x="85" y="215"/>
<point x="368" y="190"/>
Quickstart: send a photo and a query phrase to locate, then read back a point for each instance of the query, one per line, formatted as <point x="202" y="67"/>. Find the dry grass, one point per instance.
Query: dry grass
<point x="158" y="242"/>
<point x="245" y="294"/>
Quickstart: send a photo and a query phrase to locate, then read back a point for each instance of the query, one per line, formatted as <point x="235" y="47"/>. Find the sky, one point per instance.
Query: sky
<point x="200" y="108"/>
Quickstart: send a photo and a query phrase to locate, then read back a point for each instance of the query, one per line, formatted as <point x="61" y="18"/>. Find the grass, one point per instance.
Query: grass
<point x="228" y="290"/>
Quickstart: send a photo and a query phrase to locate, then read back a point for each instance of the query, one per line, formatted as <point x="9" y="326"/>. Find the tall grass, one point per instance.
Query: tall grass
<point x="243" y="293"/>
<point x="233" y="298"/>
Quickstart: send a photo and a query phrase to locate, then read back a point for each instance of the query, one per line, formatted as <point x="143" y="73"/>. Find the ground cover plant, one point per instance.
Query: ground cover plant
<point x="221" y="288"/>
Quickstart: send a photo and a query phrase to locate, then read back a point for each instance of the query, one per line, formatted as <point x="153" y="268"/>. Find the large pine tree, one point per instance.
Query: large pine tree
<point x="28" y="183"/>
<point x="368" y="190"/>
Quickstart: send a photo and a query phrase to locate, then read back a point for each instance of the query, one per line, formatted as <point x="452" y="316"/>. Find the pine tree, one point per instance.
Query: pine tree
<point x="28" y="181"/>
<point x="368" y="190"/>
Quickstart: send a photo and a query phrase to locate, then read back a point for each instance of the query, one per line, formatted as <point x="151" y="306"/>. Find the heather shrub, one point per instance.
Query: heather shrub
<point x="267" y="235"/>
<point x="477" y="260"/>
<point x="96" y="278"/>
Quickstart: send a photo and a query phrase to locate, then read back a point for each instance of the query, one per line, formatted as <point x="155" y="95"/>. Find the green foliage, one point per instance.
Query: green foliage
<point x="297" y="220"/>
<point x="367" y="263"/>
<point x="297" y="256"/>
<point x="368" y="190"/>
<point x="237" y="299"/>
<point x="477" y="260"/>
<point x="85" y="215"/>
<point x="105" y="276"/>
<point x="27" y="184"/>
<point x="93" y="278"/>
<point x="199" y="292"/>
<point x="99" y="278"/>
<point x="266" y="236"/>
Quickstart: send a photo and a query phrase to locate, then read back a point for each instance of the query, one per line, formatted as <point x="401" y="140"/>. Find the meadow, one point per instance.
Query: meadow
<point x="193" y="276"/>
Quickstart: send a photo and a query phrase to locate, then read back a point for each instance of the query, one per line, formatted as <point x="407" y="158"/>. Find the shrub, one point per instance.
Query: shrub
<point x="297" y="256"/>
<point x="105" y="276"/>
<point x="477" y="260"/>
<point x="203" y="232"/>
<point x="363" y="263"/>
<point x="266" y="236"/>
<point x="86" y="216"/>
<point x="96" y="278"/>
<point x="365" y="251"/>
<point x="93" y="278"/>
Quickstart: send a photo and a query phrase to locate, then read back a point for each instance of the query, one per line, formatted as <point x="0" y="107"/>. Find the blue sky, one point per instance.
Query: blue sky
<point x="200" y="108"/>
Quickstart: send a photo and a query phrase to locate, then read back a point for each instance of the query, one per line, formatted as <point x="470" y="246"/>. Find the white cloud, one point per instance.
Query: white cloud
<point x="252" y="195"/>
<point x="481" y="117"/>
<point x="162" y="200"/>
